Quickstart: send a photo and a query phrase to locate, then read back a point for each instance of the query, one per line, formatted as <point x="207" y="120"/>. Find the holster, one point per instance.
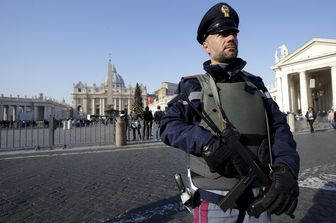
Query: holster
<point x="190" y="198"/>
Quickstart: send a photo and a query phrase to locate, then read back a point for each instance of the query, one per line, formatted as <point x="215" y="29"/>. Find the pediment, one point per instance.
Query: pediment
<point x="316" y="48"/>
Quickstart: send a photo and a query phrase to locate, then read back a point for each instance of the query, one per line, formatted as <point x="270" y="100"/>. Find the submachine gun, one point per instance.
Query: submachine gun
<point x="256" y="174"/>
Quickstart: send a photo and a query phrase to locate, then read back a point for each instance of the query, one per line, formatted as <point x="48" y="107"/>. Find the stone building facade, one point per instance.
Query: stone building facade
<point x="164" y="95"/>
<point x="306" y="77"/>
<point x="166" y="89"/>
<point x="32" y="109"/>
<point x="111" y="94"/>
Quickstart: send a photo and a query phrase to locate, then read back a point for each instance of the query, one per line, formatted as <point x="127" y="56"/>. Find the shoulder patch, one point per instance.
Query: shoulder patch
<point x="191" y="77"/>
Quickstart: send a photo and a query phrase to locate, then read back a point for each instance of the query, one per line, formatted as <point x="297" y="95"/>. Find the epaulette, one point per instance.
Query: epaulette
<point x="185" y="78"/>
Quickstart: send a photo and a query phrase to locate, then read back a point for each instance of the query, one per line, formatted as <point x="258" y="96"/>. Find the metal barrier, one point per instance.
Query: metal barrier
<point x="63" y="136"/>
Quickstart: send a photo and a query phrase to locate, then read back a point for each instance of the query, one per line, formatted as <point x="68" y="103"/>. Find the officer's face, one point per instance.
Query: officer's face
<point x="221" y="47"/>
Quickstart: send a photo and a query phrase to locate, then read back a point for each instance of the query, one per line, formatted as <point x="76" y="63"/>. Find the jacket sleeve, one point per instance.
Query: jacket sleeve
<point x="283" y="143"/>
<point x="179" y="126"/>
<point x="284" y="146"/>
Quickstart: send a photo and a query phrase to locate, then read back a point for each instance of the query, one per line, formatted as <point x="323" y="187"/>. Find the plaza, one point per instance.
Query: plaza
<point x="135" y="183"/>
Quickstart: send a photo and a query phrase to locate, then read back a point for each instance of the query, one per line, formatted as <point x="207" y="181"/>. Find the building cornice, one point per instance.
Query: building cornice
<point x="303" y="61"/>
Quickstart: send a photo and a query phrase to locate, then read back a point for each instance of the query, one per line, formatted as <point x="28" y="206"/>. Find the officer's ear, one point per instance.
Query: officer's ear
<point x="205" y="46"/>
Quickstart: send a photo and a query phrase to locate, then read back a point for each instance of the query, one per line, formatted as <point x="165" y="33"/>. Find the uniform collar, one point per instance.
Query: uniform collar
<point x="224" y="71"/>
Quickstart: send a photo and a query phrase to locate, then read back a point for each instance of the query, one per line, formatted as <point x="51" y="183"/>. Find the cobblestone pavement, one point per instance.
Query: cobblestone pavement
<point x="135" y="184"/>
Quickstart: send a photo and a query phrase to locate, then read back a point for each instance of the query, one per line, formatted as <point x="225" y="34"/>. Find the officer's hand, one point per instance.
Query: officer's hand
<point x="221" y="159"/>
<point x="282" y="197"/>
<point x="216" y="153"/>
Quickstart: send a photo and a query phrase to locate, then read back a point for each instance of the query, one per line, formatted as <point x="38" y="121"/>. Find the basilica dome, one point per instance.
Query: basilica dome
<point x="113" y="77"/>
<point x="117" y="79"/>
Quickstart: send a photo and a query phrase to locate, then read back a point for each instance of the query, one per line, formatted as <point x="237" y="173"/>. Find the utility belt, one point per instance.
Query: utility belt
<point x="210" y="196"/>
<point x="191" y="198"/>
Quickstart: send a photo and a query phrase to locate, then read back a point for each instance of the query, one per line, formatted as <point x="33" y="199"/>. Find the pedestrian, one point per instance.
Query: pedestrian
<point x="333" y="124"/>
<point x="124" y="116"/>
<point x="233" y="101"/>
<point x="330" y="116"/>
<point x="311" y="117"/>
<point x="151" y="124"/>
<point x="135" y="124"/>
<point x="158" y="114"/>
<point x="147" y="119"/>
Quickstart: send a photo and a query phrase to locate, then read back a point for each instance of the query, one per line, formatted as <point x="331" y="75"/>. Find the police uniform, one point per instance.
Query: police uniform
<point x="183" y="128"/>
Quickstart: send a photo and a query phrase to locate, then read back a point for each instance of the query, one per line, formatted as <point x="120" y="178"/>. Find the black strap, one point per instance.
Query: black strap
<point x="241" y="216"/>
<point x="210" y="196"/>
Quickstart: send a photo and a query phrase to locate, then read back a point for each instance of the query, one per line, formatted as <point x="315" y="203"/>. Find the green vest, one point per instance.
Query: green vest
<point x="246" y="111"/>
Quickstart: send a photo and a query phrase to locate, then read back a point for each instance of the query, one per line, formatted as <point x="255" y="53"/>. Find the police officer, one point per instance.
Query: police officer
<point x="231" y="98"/>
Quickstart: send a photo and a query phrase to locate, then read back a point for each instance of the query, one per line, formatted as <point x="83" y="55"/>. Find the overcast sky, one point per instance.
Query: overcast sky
<point x="46" y="46"/>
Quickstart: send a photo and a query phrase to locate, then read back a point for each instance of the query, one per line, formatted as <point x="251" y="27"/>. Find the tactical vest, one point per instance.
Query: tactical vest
<point x="243" y="105"/>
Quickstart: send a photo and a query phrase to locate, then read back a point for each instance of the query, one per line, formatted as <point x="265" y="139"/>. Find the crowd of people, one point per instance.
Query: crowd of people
<point x="145" y="125"/>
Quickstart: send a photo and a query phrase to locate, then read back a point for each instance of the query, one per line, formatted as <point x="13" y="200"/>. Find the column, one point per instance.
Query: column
<point x="101" y="109"/>
<point x="279" y="99"/>
<point x="100" y="106"/>
<point x="295" y="94"/>
<point x="333" y="85"/>
<point x="93" y="105"/>
<point x="102" y="103"/>
<point x="303" y="92"/>
<point x="1" y="113"/>
<point x="285" y="93"/>
<point x="46" y="111"/>
<point x="14" y="112"/>
<point x="5" y="113"/>
<point x="292" y="98"/>
<point x="115" y="104"/>
<point x="120" y="104"/>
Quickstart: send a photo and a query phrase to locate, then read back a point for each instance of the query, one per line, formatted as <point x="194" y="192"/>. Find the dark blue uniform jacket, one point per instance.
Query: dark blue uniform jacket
<point x="180" y="129"/>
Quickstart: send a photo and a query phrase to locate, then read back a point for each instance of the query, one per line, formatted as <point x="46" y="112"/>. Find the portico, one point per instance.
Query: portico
<point x="306" y="77"/>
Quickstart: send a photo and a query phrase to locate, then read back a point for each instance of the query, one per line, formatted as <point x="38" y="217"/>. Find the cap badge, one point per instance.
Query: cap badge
<point x="225" y="10"/>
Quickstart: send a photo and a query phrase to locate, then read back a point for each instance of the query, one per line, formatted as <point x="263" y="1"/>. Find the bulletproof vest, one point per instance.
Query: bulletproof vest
<point x="243" y="106"/>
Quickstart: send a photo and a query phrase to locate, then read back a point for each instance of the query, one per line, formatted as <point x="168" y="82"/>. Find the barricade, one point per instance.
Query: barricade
<point x="61" y="135"/>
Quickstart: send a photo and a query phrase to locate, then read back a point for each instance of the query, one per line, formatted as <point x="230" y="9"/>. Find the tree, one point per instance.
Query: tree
<point x="138" y="99"/>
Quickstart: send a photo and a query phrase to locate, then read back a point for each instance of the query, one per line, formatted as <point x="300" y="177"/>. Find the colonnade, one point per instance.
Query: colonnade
<point x="307" y="88"/>
<point x="18" y="109"/>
